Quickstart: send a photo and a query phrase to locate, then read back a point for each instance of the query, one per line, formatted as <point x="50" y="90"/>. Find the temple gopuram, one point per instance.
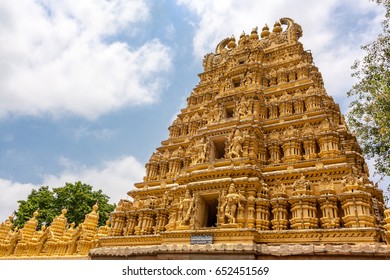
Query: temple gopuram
<point x="260" y="164"/>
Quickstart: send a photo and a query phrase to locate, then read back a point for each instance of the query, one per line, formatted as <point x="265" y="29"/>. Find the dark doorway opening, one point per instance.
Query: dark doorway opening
<point x="219" y="148"/>
<point x="211" y="212"/>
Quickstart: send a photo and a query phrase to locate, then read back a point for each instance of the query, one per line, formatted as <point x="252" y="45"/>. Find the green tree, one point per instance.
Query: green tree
<point x="42" y="199"/>
<point x="369" y="115"/>
<point x="77" y="198"/>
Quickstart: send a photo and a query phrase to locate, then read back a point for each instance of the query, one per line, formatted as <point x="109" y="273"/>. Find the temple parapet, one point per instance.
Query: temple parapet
<point x="59" y="240"/>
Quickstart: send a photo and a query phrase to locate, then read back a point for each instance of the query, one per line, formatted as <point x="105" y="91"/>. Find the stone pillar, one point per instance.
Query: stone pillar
<point x="286" y="108"/>
<point x="161" y="220"/>
<point x="309" y="145"/>
<point x="303" y="212"/>
<point x="174" y="131"/>
<point x="279" y="205"/>
<point x="328" y="204"/>
<point x="273" y="78"/>
<point x="241" y="209"/>
<point x="118" y="223"/>
<point x="251" y="202"/>
<point x="275" y="154"/>
<point x="328" y="140"/>
<point x="329" y="145"/>
<point x="292" y="151"/>
<point x="303" y="205"/>
<point x="356" y="203"/>
<point x="163" y="169"/>
<point x="302" y="70"/>
<point x="285" y="105"/>
<point x="282" y="75"/>
<point x="131" y="222"/>
<point x="329" y="211"/>
<point x="291" y="145"/>
<point x="298" y="102"/>
<point x="273" y="111"/>
<point x="262" y="153"/>
<point x="262" y="208"/>
<point x="313" y="100"/>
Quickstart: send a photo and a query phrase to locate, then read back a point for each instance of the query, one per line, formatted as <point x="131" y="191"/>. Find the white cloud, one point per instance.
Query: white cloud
<point x="115" y="178"/>
<point x="61" y="57"/>
<point x="11" y="193"/>
<point x="333" y="30"/>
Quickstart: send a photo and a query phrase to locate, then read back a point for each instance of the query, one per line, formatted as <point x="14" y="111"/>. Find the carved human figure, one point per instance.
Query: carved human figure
<point x="199" y="151"/>
<point x="249" y="106"/>
<point x="232" y="201"/>
<point x="235" y="147"/>
<point x="165" y="200"/>
<point x="222" y="201"/>
<point x="186" y="208"/>
<point x="216" y="114"/>
<point x="243" y="110"/>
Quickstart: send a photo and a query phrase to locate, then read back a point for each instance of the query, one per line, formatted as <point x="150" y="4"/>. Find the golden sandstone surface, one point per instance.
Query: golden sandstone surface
<point x="260" y="164"/>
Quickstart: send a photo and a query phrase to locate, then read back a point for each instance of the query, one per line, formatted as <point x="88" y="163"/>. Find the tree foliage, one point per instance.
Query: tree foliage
<point x="42" y="199"/>
<point x="369" y="114"/>
<point x="77" y="198"/>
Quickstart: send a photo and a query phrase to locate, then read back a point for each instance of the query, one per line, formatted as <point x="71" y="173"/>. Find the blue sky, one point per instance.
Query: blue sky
<point x="88" y="88"/>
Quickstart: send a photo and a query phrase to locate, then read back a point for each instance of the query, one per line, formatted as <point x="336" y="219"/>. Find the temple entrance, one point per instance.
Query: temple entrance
<point x="208" y="211"/>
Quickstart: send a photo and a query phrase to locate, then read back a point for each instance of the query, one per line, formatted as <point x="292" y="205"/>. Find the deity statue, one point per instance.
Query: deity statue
<point x="186" y="208"/>
<point x="235" y="147"/>
<point x="231" y="202"/>
<point x="165" y="200"/>
<point x="199" y="152"/>
<point x="242" y="109"/>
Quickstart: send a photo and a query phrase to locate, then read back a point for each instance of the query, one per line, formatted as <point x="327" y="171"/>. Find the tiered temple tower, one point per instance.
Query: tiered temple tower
<point x="259" y="164"/>
<point x="260" y="156"/>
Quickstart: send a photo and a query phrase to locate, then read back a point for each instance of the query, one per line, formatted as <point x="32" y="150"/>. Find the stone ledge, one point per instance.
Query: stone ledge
<point x="255" y="251"/>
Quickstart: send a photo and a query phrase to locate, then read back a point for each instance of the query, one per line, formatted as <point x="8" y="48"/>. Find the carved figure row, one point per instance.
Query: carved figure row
<point x="169" y="164"/>
<point x="290" y="146"/>
<point x="285" y="105"/>
<point x="264" y="209"/>
<point x="294" y="145"/>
